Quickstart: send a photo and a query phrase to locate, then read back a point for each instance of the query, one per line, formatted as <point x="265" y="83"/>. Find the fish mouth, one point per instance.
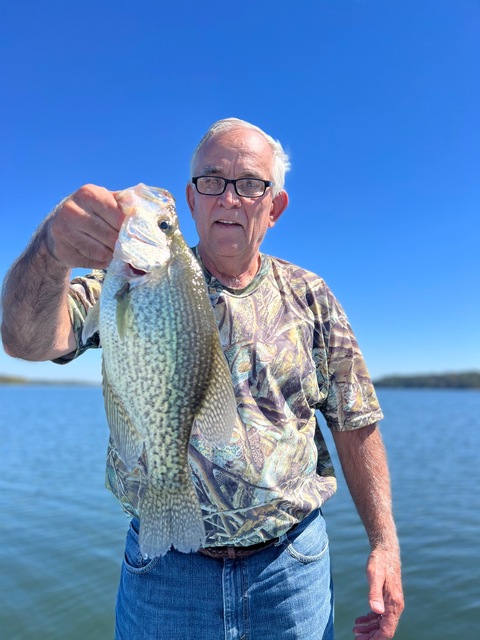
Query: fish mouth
<point x="136" y="272"/>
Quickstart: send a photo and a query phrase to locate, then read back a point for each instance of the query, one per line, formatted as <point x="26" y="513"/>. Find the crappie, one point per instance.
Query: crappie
<point x="163" y="366"/>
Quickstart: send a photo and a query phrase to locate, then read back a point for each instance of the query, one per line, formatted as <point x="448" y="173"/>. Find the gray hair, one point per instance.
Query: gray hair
<point x="281" y="163"/>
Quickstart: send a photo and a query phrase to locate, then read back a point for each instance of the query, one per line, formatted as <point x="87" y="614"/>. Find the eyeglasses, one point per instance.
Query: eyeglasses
<point x="246" y="187"/>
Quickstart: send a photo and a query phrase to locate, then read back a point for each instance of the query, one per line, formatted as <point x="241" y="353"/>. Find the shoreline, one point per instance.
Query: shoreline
<point x="464" y="380"/>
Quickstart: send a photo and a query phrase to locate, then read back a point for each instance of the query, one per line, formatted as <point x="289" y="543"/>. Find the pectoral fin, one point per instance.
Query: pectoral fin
<point x="127" y="439"/>
<point x="123" y="301"/>
<point x="218" y="412"/>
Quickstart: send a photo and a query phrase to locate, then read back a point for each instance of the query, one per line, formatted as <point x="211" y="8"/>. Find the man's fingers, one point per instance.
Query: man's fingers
<point x="373" y="627"/>
<point x="83" y="229"/>
<point x="101" y="202"/>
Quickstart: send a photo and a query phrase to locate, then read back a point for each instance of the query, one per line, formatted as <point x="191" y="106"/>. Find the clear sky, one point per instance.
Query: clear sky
<point x="376" y="101"/>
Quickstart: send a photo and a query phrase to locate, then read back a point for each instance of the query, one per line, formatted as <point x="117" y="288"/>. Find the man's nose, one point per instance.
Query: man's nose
<point x="229" y="198"/>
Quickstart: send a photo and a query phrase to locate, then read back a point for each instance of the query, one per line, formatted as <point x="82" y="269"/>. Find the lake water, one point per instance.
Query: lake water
<point x="61" y="533"/>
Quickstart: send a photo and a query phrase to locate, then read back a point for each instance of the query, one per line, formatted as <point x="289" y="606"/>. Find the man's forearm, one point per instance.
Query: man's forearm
<point x="364" y="463"/>
<point x="36" y="323"/>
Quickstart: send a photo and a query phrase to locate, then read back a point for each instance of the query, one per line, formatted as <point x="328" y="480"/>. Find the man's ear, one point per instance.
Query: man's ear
<point x="190" y="197"/>
<point x="279" y="204"/>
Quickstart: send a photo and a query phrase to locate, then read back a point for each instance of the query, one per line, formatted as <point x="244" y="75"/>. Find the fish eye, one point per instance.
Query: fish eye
<point x="165" y="226"/>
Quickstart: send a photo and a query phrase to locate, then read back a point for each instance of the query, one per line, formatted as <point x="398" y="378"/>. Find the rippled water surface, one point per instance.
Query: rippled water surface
<point x="62" y="533"/>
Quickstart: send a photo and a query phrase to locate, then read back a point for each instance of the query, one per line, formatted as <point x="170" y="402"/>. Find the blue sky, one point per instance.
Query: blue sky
<point x="377" y="102"/>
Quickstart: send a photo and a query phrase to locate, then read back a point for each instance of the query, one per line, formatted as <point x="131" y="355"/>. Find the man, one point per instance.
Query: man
<point x="265" y="571"/>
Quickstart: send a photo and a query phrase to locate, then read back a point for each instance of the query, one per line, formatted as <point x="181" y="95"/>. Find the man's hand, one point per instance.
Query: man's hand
<point x="82" y="230"/>
<point x="385" y="597"/>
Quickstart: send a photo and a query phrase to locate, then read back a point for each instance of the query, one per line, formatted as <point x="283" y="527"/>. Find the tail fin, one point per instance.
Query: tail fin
<point x="170" y="517"/>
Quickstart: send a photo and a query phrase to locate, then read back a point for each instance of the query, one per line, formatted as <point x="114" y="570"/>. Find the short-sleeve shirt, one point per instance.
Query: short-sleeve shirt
<point x="291" y="352"/>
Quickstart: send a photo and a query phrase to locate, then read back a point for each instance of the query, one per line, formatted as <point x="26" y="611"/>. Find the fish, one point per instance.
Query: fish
<point x="163" y="369"/>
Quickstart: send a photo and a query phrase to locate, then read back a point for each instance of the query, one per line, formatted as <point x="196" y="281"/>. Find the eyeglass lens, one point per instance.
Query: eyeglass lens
<point x="215" y="185"/>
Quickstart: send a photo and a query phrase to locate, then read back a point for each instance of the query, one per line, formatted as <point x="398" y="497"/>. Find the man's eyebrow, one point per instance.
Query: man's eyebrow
<point x="248" y="173"/>
<point x="211" y="168"/>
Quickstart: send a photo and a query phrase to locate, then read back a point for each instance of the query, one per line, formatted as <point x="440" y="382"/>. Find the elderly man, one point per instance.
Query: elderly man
<point x="264" y="572"/>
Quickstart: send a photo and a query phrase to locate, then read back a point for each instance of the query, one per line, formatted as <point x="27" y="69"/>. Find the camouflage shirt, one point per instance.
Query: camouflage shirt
<point x="291" y="351"/>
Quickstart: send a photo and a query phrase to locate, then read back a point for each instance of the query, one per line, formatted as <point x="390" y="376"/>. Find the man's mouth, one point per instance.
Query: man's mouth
<point x="230" y="223"/>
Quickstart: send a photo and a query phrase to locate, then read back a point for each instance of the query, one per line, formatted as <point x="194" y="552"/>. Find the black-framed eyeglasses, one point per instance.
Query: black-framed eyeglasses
<point x="246" y="187"/>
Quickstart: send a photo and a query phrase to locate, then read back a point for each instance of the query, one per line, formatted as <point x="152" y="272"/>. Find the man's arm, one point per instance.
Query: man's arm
<point x="36" y="323"/>
<point x="80" y="232"/>
<point x="365" y="468"/>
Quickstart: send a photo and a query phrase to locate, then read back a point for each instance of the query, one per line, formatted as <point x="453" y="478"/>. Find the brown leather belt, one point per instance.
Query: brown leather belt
<point x="235" y="552"/>
<point x="232" y="553"/>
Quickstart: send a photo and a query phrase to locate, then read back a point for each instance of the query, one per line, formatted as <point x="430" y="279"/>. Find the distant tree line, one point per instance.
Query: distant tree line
<point x="467" y="380"/>
<point x="18" y="380"/>
<point x="12" y="380"/>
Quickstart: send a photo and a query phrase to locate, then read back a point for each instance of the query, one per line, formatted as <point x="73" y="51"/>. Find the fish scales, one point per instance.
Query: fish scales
<point x="163" y="367"/>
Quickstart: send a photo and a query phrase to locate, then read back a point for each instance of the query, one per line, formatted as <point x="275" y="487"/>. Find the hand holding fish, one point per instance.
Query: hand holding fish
<point x="82" y="230"/>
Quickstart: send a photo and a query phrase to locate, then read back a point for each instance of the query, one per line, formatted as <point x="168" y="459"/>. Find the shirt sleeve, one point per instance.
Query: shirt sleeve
<point x="350" y="399"/>
<point x="83" y="294"/>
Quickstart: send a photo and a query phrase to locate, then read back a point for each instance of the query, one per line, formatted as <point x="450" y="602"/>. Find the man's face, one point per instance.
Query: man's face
<point x="230" y="226"/>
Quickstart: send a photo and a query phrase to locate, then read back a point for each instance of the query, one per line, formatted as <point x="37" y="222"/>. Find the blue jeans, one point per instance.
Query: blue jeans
<point x="283" y="592"/>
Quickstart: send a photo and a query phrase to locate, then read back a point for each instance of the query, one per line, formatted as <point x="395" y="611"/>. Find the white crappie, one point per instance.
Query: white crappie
<point x="163" y="366"/>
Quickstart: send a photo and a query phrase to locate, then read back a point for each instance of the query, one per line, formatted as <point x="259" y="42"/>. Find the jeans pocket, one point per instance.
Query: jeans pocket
<point x="133" y="559"/>
<point x="310" y="543"/>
